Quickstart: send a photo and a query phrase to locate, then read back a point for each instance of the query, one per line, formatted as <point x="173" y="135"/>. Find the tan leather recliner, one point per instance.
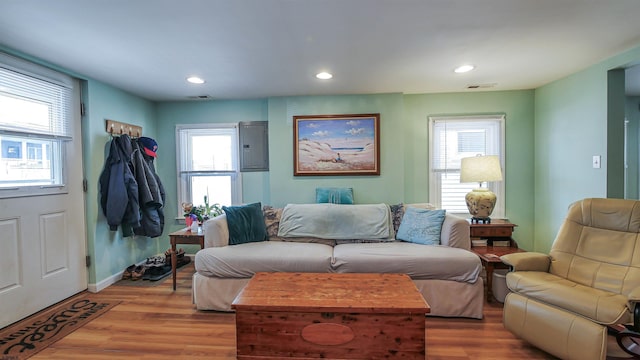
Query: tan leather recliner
<point x="563" y="302"/>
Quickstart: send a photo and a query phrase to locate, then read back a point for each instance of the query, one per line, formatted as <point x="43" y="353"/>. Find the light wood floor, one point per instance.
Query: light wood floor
<point x="157" y="323"/>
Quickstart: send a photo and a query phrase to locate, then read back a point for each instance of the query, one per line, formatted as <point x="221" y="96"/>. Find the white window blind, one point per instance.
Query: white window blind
<point x="454" y="138"/>
<point x="34" y="100"/>
<point x="36" y="127"/>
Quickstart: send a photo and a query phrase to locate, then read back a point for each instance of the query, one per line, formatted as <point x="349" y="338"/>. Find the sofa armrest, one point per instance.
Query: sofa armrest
<point x="527" y="261"/>
<point x="455" y="232"/>
<point x="216" y="232"/>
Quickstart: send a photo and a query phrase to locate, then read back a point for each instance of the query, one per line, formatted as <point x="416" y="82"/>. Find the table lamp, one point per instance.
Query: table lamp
<point x="480" y="201"/>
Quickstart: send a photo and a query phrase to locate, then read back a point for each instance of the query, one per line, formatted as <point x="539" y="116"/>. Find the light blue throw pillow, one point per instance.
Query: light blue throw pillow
<point x="421" y="226"/>
<point x="334" y="195"/>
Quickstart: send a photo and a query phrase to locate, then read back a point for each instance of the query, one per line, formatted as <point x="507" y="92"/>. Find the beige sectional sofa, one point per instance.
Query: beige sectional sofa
<point x="447" y="275"/>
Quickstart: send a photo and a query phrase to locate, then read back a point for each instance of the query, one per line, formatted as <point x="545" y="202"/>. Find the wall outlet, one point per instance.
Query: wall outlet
<point x="596" y="161"/>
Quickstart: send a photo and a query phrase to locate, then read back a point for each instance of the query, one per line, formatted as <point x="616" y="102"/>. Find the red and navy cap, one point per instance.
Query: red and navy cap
<point x="149" y="145"/>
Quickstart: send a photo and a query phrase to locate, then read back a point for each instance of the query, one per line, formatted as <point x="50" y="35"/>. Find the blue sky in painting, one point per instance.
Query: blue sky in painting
<point x="325" y="129"/>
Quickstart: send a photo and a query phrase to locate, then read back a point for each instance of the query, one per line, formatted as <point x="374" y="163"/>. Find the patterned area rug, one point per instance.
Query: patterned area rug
<point x="27" y="337"/>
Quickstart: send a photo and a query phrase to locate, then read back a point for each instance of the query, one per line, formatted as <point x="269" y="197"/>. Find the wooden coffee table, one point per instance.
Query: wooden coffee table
<point x="330" y="316"/>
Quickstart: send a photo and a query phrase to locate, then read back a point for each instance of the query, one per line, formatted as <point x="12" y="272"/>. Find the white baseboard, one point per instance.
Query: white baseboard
<point x="94" y="288"/>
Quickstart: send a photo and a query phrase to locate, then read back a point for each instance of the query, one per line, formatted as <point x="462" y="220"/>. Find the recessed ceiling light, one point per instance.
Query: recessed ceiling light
<point x="324" y="75"/>
<point x="195" y="80"/>
<point x="464" y="69"/>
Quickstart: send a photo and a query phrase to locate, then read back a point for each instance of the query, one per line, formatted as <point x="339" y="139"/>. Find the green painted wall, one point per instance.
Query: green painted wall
<point x="518" y="107"/>
<point x="109" y="251"/>
<point x="551" y="135"/>
<point x="255" y="185"/>
<point x="571" y="125"/>
<point x="286" y="188"/>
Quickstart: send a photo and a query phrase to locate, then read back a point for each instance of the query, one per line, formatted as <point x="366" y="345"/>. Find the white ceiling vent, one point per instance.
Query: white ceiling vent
<point x="481" y="86"/>
<point x="200" y="97"/>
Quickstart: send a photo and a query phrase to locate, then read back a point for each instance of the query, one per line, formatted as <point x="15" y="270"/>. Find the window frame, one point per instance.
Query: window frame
<point x="184" y="176"/>
<point x="59" y="137"/>
<point x="498" y="187"/>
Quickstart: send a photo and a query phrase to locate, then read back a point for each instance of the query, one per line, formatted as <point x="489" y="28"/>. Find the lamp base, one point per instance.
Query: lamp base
<point x="475" y="220"/>
<point x="480" y="203"/>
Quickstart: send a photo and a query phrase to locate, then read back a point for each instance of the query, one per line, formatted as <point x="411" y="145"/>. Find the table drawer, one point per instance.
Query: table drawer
<point x="506" y="231"/>
<point x="491" y="232"/>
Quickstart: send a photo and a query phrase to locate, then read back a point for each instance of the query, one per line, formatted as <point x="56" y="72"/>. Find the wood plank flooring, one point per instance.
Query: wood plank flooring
<point x="157" y="323"/>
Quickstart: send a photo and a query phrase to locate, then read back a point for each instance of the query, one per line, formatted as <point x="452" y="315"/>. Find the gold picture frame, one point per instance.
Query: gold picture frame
<point x="329" y="145"/>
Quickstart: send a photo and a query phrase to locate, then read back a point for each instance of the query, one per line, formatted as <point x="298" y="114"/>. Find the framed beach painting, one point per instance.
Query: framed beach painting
<point x="336" y="145"/>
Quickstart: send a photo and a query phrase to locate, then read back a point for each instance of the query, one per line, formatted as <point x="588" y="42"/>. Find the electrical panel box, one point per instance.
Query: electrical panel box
<point x="254" y="146"/>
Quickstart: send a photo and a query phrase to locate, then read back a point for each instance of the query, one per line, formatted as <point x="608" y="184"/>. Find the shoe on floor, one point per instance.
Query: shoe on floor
<point x="157" y="272"/>
<point x="138" y="273"/>
<point x="126" y="274"/>
<point x="155" y="261"/>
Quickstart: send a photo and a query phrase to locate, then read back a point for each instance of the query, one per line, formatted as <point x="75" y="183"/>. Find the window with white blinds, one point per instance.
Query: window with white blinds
<point x="36" y="122"/>
<point x="453" y="138"/>
<point x="207" y="162"/>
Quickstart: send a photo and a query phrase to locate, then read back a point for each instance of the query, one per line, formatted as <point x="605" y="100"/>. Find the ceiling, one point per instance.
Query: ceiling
<point x="259" y="48"/>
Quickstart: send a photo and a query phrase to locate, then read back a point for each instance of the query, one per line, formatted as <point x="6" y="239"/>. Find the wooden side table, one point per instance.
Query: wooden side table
<point x="498" y="229"/>
<point x="185" y="237"/>
<point x="490" y="258"/>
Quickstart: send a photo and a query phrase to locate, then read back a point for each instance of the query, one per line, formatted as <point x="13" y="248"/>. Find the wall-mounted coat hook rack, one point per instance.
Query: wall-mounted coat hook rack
<point x="119" y="128"/>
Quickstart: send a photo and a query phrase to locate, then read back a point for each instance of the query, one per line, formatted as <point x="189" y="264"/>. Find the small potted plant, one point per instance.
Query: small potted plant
<point x="209" y="211"/>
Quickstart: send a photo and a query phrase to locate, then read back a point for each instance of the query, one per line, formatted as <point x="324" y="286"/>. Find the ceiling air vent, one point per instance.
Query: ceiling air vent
<point x="481" y="86"/>
<point x="200" y="97"/>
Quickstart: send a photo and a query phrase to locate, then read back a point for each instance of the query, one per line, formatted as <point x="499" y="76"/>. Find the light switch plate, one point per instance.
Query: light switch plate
<point x="596" y="161"/>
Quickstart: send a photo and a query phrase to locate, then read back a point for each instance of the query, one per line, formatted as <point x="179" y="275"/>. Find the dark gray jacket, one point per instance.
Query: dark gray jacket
<point x="150" y="194"/>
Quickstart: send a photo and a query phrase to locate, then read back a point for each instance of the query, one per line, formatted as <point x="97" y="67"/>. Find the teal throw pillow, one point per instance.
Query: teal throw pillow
<point x="246" y="223"/>
<point x="421" y="226"/>
<point x="334" y="195"/>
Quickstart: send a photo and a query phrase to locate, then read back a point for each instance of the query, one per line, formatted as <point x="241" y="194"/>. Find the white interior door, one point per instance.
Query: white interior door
<point x="43" y="239"/>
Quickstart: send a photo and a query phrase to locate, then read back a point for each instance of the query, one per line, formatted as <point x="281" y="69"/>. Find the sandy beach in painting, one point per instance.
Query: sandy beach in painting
<point x="336" y="155"/>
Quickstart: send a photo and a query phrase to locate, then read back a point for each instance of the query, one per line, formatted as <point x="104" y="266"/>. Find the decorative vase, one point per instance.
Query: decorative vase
<point x="480" y="203"/>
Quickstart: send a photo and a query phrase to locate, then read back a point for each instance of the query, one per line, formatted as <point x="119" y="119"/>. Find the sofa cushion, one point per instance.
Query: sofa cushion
<point x="246" y="223"/>
<point x="417" y="261"/>
<point x="334" y="221"/>
<point x="334" y="195"/>
<point x="422" y="226"/>
<point x="272" y="221"/>
<point x="601" y="306"/>
<point x="244" y="260"/>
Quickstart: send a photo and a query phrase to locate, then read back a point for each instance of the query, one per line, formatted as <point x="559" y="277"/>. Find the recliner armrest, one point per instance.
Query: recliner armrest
<point x="633" y="303"/>
<point x="634" y="297"/>
<point x="527" y="261"/>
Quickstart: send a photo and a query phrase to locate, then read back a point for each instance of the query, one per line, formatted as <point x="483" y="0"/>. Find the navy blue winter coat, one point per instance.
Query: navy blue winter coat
<point x="118" y="187"/>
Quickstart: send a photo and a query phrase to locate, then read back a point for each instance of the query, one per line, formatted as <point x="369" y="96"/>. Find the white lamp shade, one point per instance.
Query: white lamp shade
<point x="480" y="169"/>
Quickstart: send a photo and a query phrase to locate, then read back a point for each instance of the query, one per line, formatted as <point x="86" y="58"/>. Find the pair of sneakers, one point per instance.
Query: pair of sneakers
<point x="157" y="260"/>
<point x="133" y="272"/>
